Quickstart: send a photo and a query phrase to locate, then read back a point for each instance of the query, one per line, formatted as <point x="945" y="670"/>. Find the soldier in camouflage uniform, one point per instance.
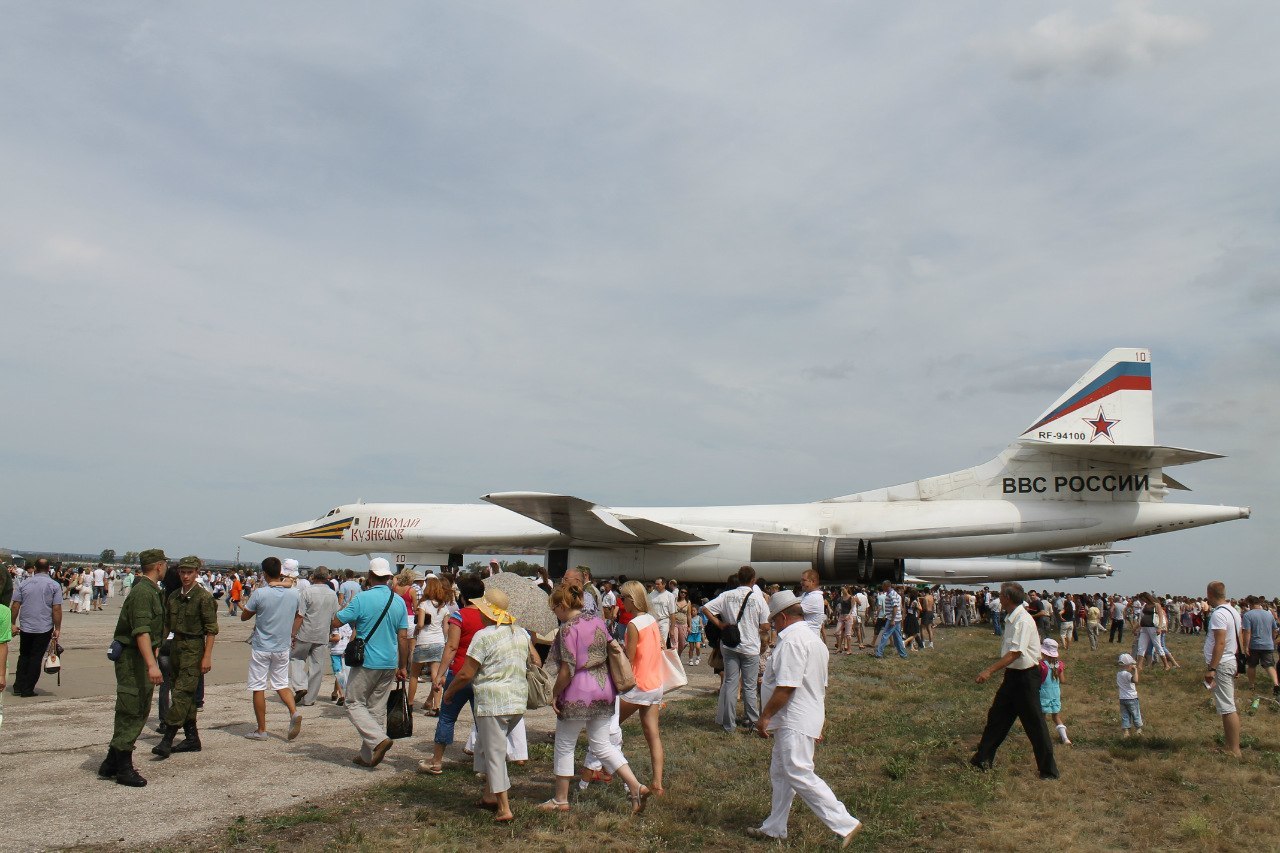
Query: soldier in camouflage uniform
<point x="138" y="629"/>
<point x="191" y="615"/>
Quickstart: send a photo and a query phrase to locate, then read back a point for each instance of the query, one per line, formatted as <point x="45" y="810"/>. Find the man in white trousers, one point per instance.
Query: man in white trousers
<point x="794" y="694"/>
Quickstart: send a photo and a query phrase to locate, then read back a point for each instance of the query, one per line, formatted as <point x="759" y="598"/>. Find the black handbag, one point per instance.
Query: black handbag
<point x="354" y="655"/>
<point x="731" y="635"/>
<point x="399" y="719"/>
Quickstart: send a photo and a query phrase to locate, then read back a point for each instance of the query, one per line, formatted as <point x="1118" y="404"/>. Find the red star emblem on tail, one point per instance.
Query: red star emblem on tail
<point x="1101" y="426"/>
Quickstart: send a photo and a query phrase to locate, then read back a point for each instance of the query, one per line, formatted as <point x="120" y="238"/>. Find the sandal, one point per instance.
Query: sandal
<point x="638" y="800"/>
<point x="552" y="805"/>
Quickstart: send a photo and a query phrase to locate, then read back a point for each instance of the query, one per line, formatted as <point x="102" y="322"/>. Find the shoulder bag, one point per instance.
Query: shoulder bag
<point x="624" y="677"/>
<point x="731" y="635"/>
<point x="539" y="683"/>
<point x="354" y="655"/>
<point x="673" y="675"/>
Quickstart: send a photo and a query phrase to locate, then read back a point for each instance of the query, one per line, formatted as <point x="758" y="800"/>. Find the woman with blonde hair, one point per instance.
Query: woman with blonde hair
<point x="428" y="648"/>
<point x="644" y="649"/>
<point x="583" y="696"/>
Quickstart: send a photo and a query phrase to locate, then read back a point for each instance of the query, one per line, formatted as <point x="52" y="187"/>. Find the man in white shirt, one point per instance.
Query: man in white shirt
<point x="1220" y="646"/>
<point x="99" y="587"/>
<point x="795" y="686"/>
<point x="1019" y="694"/>
<point x="815" y="607"/>
<point x="661" y="605"/>
<point x="745" y="607"/>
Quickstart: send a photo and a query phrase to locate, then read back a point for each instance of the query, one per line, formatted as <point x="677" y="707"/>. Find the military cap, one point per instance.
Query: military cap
<point x="151" y="555"/>
<point x="191" y="562"/>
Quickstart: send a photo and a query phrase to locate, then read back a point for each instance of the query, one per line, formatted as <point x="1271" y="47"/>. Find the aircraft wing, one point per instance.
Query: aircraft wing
<point x="587" y="522"/>
<point x="1131" y="455"/>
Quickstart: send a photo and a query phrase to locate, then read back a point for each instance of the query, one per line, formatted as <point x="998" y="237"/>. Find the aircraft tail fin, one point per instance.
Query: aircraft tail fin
<point x="1110" y="404"/>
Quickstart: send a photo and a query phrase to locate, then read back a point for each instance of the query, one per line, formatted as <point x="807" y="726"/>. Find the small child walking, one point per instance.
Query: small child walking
<point x="694" y="638"/>
<point x="1051" y="675"/>
<point x="1127" y="682"/>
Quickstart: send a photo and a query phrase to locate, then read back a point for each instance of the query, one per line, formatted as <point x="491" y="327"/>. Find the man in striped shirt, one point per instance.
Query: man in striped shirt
<point x="893" y="623"/>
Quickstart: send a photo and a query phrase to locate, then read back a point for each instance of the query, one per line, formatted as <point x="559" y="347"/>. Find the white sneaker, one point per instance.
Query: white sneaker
<point x="295" y="726"/>
<point x="256" y="735"/>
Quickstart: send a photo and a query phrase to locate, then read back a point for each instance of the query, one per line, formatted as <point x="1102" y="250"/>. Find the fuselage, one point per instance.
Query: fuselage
<point x="423" y="533"/>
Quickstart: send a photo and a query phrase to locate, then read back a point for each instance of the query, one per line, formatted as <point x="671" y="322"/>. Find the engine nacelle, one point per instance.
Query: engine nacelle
<point x="777" y="558"/>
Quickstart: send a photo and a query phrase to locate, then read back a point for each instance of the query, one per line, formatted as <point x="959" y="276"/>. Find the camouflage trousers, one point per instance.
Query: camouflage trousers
<point x="133" y="699"/>
<point x="184" y="660"/>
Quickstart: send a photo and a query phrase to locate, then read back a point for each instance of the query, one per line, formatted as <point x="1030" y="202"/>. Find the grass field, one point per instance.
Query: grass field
<point x="898" y="738"/>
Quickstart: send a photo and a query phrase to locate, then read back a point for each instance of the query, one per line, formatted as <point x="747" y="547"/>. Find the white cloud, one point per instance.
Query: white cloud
<point x="1133" y="36"/>
<point x="258" y="261"/>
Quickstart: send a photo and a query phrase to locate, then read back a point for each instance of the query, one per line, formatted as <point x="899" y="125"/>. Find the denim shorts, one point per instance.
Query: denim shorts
<point x="428" y="654"/>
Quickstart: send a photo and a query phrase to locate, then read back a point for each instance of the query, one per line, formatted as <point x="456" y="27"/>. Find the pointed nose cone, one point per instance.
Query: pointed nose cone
<point x="277" y="537"/>
<point x="264" y="537"/>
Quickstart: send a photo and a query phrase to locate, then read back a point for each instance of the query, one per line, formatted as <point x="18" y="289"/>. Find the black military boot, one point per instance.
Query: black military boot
<point x="110" y="764"/>
<point x="165" y="746"/>
<point x="126" y="774"/>
<point x="191" y="739"/>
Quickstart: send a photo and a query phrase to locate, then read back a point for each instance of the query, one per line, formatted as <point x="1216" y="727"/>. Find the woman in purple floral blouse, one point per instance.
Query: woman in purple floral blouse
<point x="583" y="697"/>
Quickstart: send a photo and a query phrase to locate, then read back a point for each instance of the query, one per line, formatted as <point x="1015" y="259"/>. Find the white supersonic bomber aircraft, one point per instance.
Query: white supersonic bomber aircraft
<point x="1087" y="471"/>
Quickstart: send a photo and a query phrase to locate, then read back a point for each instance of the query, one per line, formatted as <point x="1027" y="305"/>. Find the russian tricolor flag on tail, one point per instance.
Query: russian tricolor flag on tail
<point x="1110" y="404"/>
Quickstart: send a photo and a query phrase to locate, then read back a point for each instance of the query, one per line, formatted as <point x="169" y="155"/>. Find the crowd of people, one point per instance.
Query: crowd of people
<point x="619" y="646"/>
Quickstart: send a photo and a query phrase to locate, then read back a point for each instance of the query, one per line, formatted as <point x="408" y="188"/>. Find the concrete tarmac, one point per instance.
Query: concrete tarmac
<point x="55" y="741"/>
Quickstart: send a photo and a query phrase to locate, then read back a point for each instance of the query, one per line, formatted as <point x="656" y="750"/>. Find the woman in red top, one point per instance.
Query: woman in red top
<point x="459" y="630"/>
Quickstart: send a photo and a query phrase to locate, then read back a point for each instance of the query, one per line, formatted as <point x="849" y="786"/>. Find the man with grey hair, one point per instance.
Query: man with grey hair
<point x="578" y="577"/>
<point x="1019" y="694"/>
<point x="794" y="693"/>
<point x="309" y="647"/>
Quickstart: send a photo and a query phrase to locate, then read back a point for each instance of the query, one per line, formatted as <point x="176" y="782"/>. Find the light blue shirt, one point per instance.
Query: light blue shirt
<point x="37" y="593"/>
<point x="1260" y="624"/>
<point x="275" y="607"/>
<point x="381" y="648"/>
<point x="347" y="591"/>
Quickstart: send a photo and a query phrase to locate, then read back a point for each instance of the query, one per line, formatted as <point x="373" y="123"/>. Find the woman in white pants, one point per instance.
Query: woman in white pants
<point x="86" y="592"/>
<point x="583" y="697"/>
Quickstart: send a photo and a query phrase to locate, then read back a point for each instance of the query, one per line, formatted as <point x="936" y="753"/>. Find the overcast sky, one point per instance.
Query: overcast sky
<point x="262" y="259"/>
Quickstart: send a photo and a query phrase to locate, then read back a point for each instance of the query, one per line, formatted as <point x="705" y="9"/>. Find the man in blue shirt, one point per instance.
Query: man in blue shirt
<point x="380" y="618"/>
<point x="349" y="589"/>
<point x="1258" y="629"/>
<point x="274" y="605"/>
<point x="37" y="604"/>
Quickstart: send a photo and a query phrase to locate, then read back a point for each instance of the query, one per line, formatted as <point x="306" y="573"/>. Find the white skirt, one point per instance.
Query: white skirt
<point x="636" y="696"/>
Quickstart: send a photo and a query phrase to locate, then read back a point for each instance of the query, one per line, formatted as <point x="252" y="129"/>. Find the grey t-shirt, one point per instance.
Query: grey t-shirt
<point x="1261" y="626"/>
<point x="317" y="606"/>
